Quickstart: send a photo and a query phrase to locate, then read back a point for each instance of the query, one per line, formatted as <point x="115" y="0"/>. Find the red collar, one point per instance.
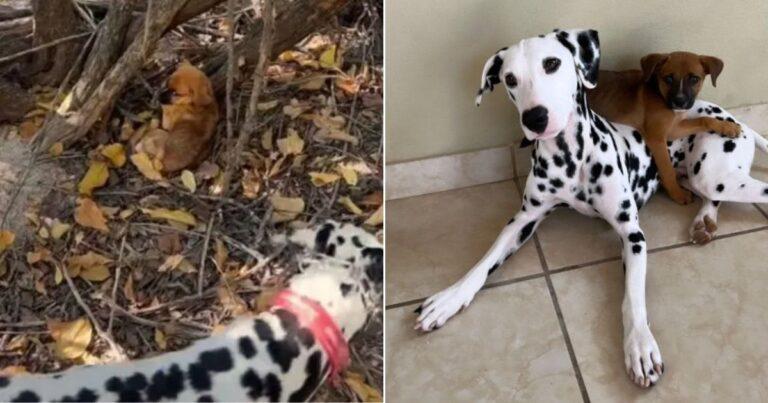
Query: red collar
<point x="314" y="317"/>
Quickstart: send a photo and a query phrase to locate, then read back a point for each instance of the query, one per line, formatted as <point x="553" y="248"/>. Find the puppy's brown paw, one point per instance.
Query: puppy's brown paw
<point x="681" y="196"/>
<point x="703" y="231"/>
<point x="729" y="129"/>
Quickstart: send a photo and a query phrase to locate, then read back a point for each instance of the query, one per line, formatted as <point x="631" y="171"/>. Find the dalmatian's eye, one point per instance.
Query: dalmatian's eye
<point x="694" y="79"/>
<point x="510" y="80"/>
<point x="551" y="64"/>
<point x="669" y="79"/>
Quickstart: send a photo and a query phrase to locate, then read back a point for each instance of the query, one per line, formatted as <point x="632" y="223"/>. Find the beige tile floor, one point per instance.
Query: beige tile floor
<point x="547" y="327"/>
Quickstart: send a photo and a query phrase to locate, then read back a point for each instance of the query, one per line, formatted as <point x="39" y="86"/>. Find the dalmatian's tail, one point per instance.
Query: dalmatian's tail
<point x="760" y="141"/>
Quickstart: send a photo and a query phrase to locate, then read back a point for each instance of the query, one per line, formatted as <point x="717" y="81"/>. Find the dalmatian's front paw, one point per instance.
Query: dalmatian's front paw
<point x="642" y="357"/>
<point x="703" y="231"/>
<point x="437" y="309"/>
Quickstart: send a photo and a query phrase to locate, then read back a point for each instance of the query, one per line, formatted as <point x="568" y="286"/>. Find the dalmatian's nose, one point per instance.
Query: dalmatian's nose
<point x="535" y="119"/>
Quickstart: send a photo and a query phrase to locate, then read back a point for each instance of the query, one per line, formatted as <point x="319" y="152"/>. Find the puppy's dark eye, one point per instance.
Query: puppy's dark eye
<point x="551" y="64"/>
<point x="669" y="79"/>
<point x="510" y="80"/>
<point x="694" y="79"/>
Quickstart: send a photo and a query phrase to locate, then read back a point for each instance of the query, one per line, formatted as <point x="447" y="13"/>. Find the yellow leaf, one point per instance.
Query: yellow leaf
<point x="171" y="263"/>
<point x="314" y="83"/>
<point x="40" y="254"/>
<point x="266" y="139"/>
<point x="231" y="301"/>
<point x="95" y="273"/>
<point x="222" y="254"/>
<point x="6" y="240"/>
<point x="144" y="164"/>
<point x="323" y="178"/>
<point x="179" y="216"/>
<point x="265" y="106"/>
<point x="348" y="84"/>
<point x="96" y="177"/>
<point x="349" y="174"/>
<point x="328" y="58"/>
<point x="291" y="144"/>
<point x="365" y="392"/>
<point x="188" y="179"/>
<point x="350" y="205"/>
<point x="58" y="229"/>
<point x="295" y="108"/>
<point x="88" y="214"/>
<point x="115" y="153"/>
<point x="376" y="218"/>
<point x="71" y="338"/>
<point x="286" y="208"/>
<point x="335" y="134"/>
<point x="251" y="184"/>
<point x="160" y="339"/>
<point x="13" y="370"/>
<point x="56" y="149"/>
<point x="90" y="266"/>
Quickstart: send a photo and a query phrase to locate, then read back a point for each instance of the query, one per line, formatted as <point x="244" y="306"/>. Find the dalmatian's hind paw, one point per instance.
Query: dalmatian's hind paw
<point x="703" y="231"/>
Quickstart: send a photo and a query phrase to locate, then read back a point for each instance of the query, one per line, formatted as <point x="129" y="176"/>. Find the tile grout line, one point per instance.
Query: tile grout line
<point x="760" y="209"/>
<point x="561" y="321"/>
<point x="582" y="265"/>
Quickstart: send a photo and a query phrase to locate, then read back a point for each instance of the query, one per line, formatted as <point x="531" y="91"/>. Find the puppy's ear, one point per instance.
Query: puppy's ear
<point x="712" y="66"/>
<point x="584" y="45"/>
<point x="490" y="74"/>
<point x="650" y="63"/>
<point x="203" y="93"/>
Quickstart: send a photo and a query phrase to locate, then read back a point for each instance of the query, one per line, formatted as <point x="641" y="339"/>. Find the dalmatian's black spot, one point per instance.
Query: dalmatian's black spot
<point x="608" y="170"/>
<point x="272" y="387"/>
<point x="526" y="231"/>
<point x="599" y="189"/>
<point x="321" y="240"/>
<point x="729" y="146"/>
<point x="492" y="77"/>
<point x="199" y="377"/>
<point x="595" y="172"/>
<point x="696" y="167"/>
<point x="84" y="395"/>
<point x="541" y="187"/>
<point x="306" y="337"/>
<point x="636" y="249"/>
<point x="205" y="398"/>
<point x="636" y="237"/>
<point x="511" y="220"/>
<point x="595" y="137"/>
<point x="603" y="146"/>
<point x="720" y="187"/>
<point x="626" y="204"/>
<point x="356" y="242"/>
<point x="581" y="196"/>
<point x="166" y="385"/>
<point x="218" y="360"/>
<point x="251" y="381"/>
<point x="703" y="156"/>
<point x="26" y="396"/>
<point x="493" y="268"/>
<point x="263" y="330"/>
<point x="314" y="375"/>
<point x="345" y="289"/>
<point x="4" y="381"/>
<point x="623" y="217"/>
<point x="716" y="202"/>
<point x="535" y="202"/>
<point x="543" y="163"/>
<point x="716" y="109"/>
<point x="246" y="346"/>
<point x="636" y="135"/>
<point x="557" y="183"/>
<point x="537" y="171"/>
<point x="283" y="352"/>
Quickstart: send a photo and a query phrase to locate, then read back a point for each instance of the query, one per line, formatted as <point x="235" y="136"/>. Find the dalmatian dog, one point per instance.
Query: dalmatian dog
<point x="600" y="169"/>
<point x="279" y="355"/>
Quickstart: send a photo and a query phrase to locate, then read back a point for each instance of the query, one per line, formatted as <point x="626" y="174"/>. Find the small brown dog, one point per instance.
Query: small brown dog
<point x="190" y="115"/>
<point x="650" y="101"/>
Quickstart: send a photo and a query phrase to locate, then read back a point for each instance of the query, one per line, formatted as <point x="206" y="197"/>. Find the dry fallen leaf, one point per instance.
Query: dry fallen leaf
<point x="350" y="205"/>
<point x="144" y="164"/>
<point x="71" y="339"/>
<point x="90" y="266"/>
<point x="266" y="139"/>
<point x="323" y="178"/>
<point x="188" y="179"/>
<point x="335" y="134"/>
<point x="286" y="208"/>
<point x="115" y="153"/>
<point x="88" y="214"/>
<point x="328" y="59"/>
<point x="349" y="174"/>
<point x="13" y="370"/>
<point x="251" y="184"/>
<point x="96" y="177"/>
<point x="231" y="301"/>
<point x="6" y="240"/>
<point x="265" y="106"/>
<point x="373" y="199"/>
<point x="176" y="262"/>
<point x="58" y="229"/>
<point x="376" y="218"/>
<point x="291" y="144"/>
<point x="179" y="216"/>
<point x="365" y="392"/>
<point x="128" y="289"/>
<point x="160" y="339"/>
<point x="348" y="84"/>
<point x="222" y="254"/>
<point x="56" y="149"/>
<point x="295" y="108"/>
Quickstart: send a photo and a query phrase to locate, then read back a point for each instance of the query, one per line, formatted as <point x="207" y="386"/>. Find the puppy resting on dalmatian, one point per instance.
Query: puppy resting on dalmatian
<point x="599" y="169"/>
<point x="280" y="355"/>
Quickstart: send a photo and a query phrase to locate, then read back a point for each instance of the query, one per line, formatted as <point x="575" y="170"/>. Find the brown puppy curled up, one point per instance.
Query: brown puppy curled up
<point x="651" y="100"/>
<point x="190" y="115"/>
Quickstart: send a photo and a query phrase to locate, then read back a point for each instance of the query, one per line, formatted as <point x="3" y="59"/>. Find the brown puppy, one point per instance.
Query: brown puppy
<point x="650" y="101"/>
<point x="190" y="114"/>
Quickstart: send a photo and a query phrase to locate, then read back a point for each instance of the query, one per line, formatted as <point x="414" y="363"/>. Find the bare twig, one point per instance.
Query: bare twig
<point x="250" y="121"/>
<point x="44" y="46"/>
<point x="115" y="347"/>
<point x="201" y="270"/>
<point x="117" y="282"/>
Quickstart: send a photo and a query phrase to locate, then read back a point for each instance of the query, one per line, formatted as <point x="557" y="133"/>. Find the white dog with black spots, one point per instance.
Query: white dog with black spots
<point x="600" y="169"/>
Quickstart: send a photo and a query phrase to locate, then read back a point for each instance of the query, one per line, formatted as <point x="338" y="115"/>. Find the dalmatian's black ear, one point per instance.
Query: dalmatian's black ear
<point x="584" y="44"/>
<point x="490" y="74"/>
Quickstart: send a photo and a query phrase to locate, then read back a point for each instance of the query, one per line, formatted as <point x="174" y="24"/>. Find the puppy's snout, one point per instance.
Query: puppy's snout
<point x="536" y="119"/>
<point x="679" y="101"/>
<point x="166" y="96"/>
